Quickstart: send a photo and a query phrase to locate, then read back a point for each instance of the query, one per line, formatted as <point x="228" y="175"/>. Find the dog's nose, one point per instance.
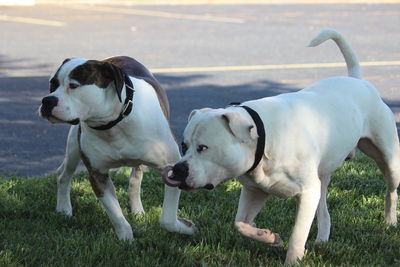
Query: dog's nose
<point x="48" y="103"/>
<point x="209" y="186"/>
<point x="181" y="171"/>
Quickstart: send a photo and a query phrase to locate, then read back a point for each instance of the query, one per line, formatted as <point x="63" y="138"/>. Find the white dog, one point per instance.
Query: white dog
<point x="289" y="145"/>
<point x="120" y="115"/>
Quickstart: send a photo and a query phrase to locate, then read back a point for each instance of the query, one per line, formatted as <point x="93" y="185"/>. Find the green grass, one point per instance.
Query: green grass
<point x="32" y="234"/>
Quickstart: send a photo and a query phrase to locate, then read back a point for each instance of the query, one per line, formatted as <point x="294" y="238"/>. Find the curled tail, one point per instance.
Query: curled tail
<point x="353" y="66"/>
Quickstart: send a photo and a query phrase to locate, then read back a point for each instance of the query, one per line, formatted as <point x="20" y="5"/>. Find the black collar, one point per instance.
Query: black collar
<point x="126" y="109"/>
<point x="261" y="135"/>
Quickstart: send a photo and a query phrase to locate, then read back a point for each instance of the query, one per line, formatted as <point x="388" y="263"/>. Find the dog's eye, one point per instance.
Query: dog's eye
<point x="202" y="148"/>
<point x="73" y="85"/>
<point x="53" y="84"/>
<point x="184" y="148"/>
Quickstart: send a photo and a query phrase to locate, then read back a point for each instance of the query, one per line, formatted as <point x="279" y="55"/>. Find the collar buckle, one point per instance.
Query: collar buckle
<point x="128" y="104"/>
<point x="127" y="86"/>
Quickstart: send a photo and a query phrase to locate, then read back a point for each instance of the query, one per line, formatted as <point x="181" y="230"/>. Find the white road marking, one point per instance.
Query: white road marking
<point x="52" y="23"/>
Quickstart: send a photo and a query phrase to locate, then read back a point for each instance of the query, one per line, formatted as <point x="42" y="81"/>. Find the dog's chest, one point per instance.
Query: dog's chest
<point x="106" y="155"/>
<point x="279" y="184"/>
<point x="114" y="159"/>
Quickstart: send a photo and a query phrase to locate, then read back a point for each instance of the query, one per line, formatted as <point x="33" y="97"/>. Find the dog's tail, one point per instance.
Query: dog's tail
<point x="353" y="66"/>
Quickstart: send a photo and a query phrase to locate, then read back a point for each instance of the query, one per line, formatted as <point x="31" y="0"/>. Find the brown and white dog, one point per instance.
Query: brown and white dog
<point x="289" y="145"/>
<point x="120" y="117"/>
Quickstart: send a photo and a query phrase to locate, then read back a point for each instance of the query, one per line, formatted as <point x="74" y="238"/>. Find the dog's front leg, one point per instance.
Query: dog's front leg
<point x="65" y="172"/>
<point x="250" y="204"/>
<point x="169" y="217"/>
<point x="306" y="207"/>
<point x="104" y="189"/>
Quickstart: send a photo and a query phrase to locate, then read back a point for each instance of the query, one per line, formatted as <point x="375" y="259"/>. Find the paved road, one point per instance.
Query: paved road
<point x="34" y="40"/>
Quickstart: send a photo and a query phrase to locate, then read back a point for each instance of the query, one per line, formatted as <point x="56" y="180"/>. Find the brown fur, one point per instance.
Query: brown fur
<point x="97" y="179"/>
<point x="135" y="69"/>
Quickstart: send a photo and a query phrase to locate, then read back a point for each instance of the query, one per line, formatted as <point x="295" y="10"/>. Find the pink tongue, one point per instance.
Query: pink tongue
<point x="167" y="180"/>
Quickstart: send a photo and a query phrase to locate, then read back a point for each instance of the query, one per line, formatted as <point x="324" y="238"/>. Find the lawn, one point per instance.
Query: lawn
<point x="33" y="234"/>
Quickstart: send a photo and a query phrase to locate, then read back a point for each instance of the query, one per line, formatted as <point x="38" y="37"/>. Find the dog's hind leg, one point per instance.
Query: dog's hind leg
<point x="383" y="147"/>
<point x="388" y="161"/>
<point x="135" y="181"/>
<point x="65" y="172"/>
<point x="323" y="217"/>
<point x="250" y="204"/>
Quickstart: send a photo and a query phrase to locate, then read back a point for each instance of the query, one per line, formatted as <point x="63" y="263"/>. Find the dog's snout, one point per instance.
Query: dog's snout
<point x="48" y="103"/>
<point x="181" y="170"/>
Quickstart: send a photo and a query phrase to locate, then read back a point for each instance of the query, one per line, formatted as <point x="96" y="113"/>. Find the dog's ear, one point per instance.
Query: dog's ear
<point x="194" y="111"/>
<point x="65" y="61"/>
<point x="240" y="127"/>
<point x="115" y="74"/>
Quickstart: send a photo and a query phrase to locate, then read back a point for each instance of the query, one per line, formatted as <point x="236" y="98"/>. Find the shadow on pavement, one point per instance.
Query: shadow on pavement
<point x="184" y="98"/>
<point x="20" y="64"/>
<point x="30" y="146"/>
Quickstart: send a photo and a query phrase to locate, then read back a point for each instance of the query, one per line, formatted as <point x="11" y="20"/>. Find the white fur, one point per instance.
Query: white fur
<point x="141" y="138"/>
<point x="308" y="135"/>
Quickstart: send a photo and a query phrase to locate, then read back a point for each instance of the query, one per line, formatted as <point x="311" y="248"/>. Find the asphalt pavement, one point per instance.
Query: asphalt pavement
<point x="203" y="55"/>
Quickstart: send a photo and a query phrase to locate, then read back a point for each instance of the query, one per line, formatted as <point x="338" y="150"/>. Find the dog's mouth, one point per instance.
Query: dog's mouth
<point x="54" y="119"/>
<point x="170" y="179"/>
<point x="74" y="121"/>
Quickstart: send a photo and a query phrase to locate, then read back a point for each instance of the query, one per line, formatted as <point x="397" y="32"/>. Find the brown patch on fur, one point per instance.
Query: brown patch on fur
<point x="97" y="179"/>
<point x="135" y="69"/>
<point x="367" y="146"/>
<point x="103" y="72"/>
<point x="92" y="72"/>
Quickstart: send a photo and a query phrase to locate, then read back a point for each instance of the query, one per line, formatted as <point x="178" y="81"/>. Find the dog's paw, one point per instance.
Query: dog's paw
<point x="137" y="210"/>
<point x="267" y="236"/>
<point x="125" y="234"/>
<point x="64" y="206"/>
<point x="64" y="211"/>
<point x="181" y="226"/>
<point x="186" y="226"/>
<point x="261" y="235"/>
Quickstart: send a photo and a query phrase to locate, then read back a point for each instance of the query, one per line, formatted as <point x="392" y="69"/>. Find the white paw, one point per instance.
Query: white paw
<point x="181" y="226"/>
<point x="67" y="211"/>
<point x="291" y="261"/>
<point x="293" y="257"/>
<point x="321" y="239"/>
<point x="136" y="205"/>
<point x="391" y="221"/>
<point x="137" y="210"/>
<point x="125" y="234"/>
